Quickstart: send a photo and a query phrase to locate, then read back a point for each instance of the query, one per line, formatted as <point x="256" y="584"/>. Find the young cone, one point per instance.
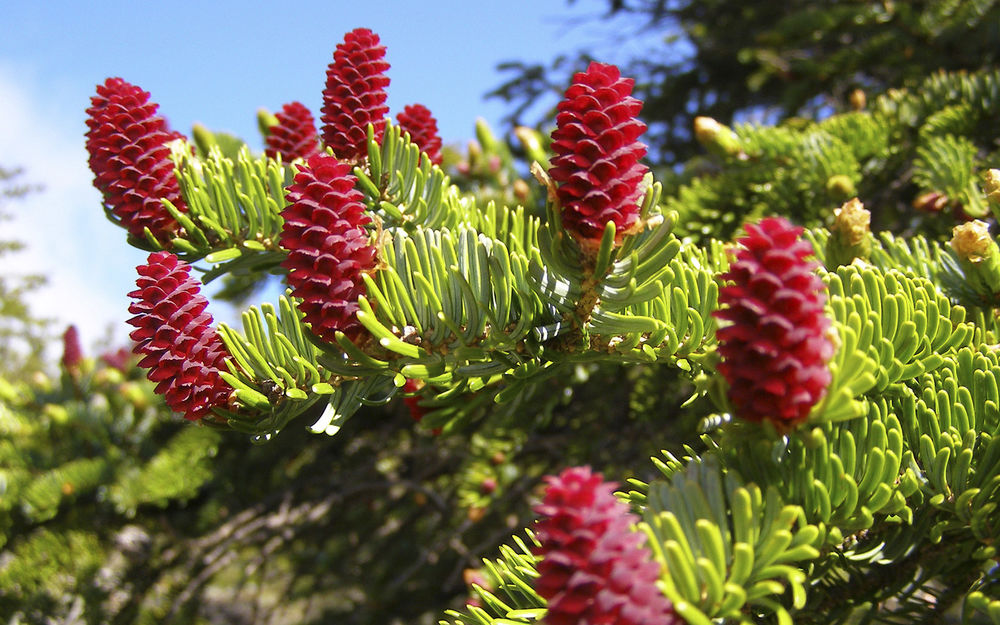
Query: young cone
<point x="594" y="568"/>
<point x="328" y="247"/>
<point x="72" y="352"/>
<point x="597" y="151"/>
<point x="355" y="94"/>
<point x="175" y="337"/>
<point x="294" y="136"/>
<point x="130" y="157"/>
<point x="417" y="120"/>
<point x="412" y="401"/>
<point x="776" y="348"/>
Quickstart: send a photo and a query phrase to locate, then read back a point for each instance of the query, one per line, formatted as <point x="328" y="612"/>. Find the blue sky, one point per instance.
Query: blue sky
<point x="216" y="63"/>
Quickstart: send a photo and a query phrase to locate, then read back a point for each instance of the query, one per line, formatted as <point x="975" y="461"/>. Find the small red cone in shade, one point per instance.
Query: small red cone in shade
<point x="472" y="578"/>
<point x="597" y="152"/>
<point x="594" y="568"/>
<point x="417" y="120"/>
<point x="294" y="136"/>
<point x="130" y="157"/>
<point x="355" y="94"/>
<point x="413" y="401"/>
<point x="776" y="347"/>
<point x="175" y="338"/>
<point x="328" y="247"/>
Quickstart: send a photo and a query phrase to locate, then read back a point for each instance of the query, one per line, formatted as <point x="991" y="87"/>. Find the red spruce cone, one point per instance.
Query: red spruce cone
<point x="417" y="120"/>
<point x="72" y="352"/>
<point x="294" y="136"/>
<point x="328" y="248"/>
<point x="597" y="154"/>
<point x="174" y="334"/>
<point x="775" y="349"/>
<point x="355" y="94"/>
<point x="594" y="568"/>
<point x="130" y="158"/>
<point x="413" y="401"/>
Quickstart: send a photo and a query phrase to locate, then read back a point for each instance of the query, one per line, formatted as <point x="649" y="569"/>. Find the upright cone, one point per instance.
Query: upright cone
<point x="596" y="165"/>
<point x="775" y="348"/>
<point x="130" y="157"/>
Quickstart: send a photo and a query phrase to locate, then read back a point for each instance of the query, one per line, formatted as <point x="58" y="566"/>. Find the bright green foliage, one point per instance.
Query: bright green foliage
<point x="923" y="149"/>
<point x="866" y="493"/>
<point x="233" y="219"/>
<point x="94" y="436"/>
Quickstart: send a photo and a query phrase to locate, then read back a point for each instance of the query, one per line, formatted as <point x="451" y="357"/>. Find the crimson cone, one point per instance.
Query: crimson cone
<point x="597" y="152"/>
<point x="175" y="337"/>
<point x="294" y="136"/>
<point x="594" y="568"/>
<point x="417" y="120"/>
<point x="355" y="94"/>
<point x="328" y="247"/>
<point x="776" y="348"/>
<point x="130" y="157"/>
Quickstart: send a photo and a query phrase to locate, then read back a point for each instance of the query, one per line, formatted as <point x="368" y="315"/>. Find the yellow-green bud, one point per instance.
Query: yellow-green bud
<point x="840" y="186"/>
<point x="972" y="242"/>
<point x="57" y="413"/>
<point x="852" y="221"/>
<point x="265" y="119"/>
<point x="486" y="137"/>
<point x="716" y="137"/>
<point x="850" y="234"/>
<point x="41" y="381"/>
<point x="992" y="185"/>
<point x="858" y="100"/>
<point x="203" y="138"/>
<point x="475" y="152"/>
<point x="531" y="140"/>
<point x="979" y="258"/>
<point x="134" y="395"/>
<point x="108" y="375"/>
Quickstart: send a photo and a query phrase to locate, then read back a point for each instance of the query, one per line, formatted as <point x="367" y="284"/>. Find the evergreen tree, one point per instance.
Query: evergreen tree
<point x="826" y="396"/>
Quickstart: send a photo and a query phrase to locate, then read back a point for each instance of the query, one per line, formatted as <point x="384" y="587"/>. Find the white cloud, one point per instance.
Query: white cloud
<point x="89" y="267"/>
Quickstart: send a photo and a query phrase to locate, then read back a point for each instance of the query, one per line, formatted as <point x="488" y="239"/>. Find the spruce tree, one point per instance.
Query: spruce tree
<point x="803" y="323"/>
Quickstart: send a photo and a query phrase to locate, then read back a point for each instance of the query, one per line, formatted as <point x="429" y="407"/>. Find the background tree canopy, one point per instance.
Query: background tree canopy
<point x="732" y="59"/>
